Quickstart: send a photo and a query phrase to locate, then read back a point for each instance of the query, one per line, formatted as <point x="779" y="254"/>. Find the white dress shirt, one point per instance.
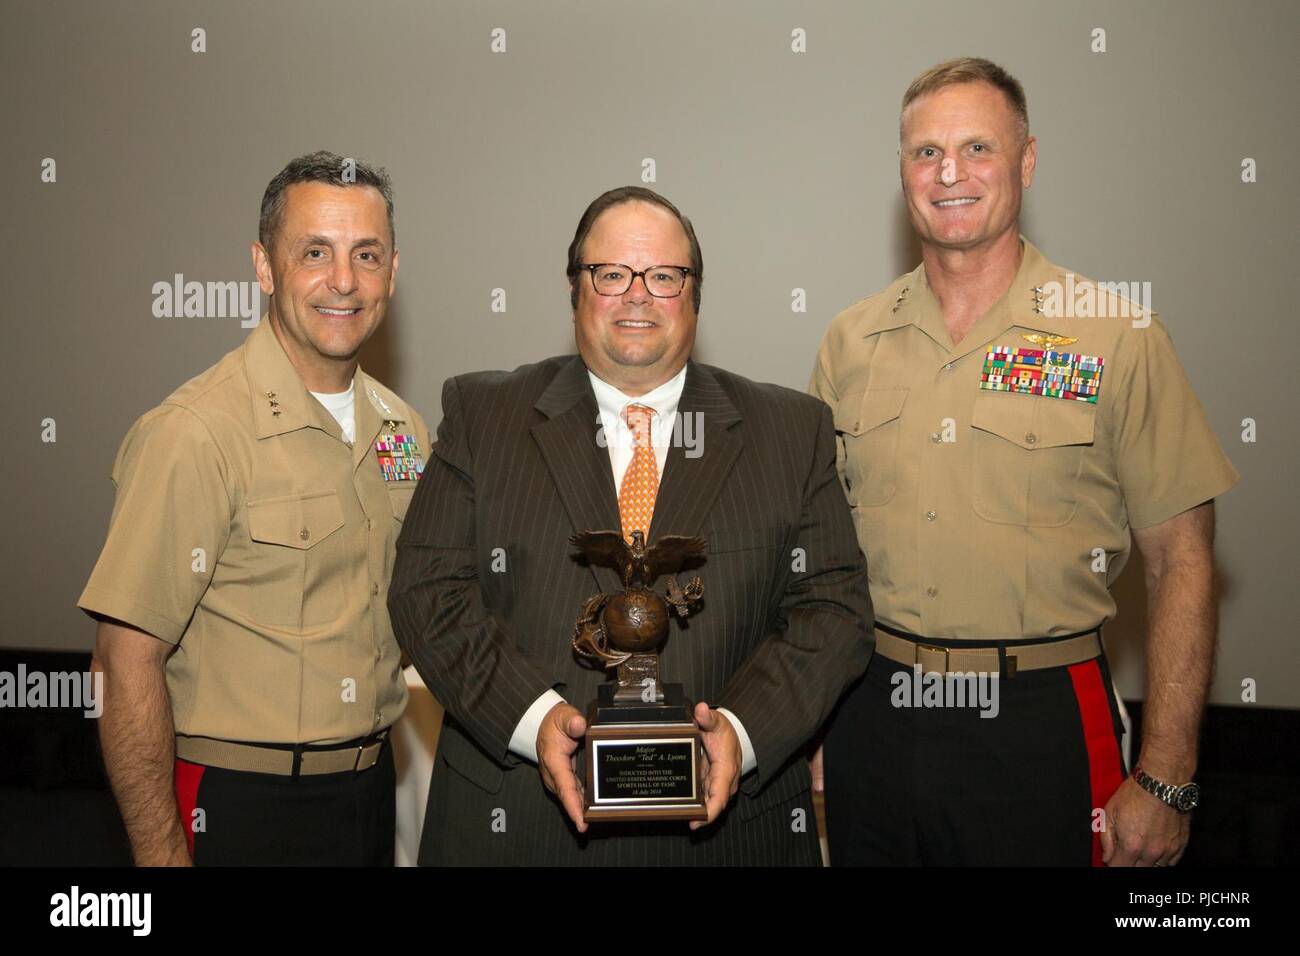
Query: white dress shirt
<point x="621" y="443"/>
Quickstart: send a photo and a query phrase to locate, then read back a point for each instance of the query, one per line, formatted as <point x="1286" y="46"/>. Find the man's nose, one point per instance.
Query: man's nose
<point x="951" y="171"/>
<point x="343" y="278"/>
<point x="634" y="294"/>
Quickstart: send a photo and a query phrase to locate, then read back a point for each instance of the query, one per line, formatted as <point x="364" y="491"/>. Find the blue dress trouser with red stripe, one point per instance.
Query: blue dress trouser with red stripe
<point x="258" y="819"/>
<point x="942" y="785"/>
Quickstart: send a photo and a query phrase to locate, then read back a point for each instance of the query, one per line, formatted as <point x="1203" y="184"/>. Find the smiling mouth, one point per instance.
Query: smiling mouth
<point x="963" y="201"/>
<point x="336" y="312"/>
<point x="635" y="324"/>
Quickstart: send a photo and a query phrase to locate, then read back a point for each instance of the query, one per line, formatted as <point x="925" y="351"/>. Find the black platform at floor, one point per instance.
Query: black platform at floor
<point x="56" y="807"/>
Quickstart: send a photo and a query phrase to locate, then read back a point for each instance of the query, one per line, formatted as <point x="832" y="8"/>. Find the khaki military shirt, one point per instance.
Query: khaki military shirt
<point x="249" y="533"/>
<point x="1004" y="511"/>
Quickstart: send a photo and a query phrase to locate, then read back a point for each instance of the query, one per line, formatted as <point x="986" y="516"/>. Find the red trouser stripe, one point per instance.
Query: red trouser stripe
<point x="1105" y="770"/>
<point x="188" y="776"/>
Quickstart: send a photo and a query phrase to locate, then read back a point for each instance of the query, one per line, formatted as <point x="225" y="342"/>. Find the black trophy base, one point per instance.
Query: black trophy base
<point x="644" y="761"/>
<point x="675" y="708"/>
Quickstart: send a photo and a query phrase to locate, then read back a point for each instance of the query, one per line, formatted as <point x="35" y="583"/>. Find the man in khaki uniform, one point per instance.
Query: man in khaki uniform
<point x="251" y="674"/>
<point x="1005" y="430"/>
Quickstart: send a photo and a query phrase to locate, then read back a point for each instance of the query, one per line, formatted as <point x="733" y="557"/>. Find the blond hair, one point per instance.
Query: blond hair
<point x="969" y="69"/>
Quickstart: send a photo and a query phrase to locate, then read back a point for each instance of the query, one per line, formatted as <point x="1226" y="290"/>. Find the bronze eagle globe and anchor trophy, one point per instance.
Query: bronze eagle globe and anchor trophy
<point x="644" y="757"/>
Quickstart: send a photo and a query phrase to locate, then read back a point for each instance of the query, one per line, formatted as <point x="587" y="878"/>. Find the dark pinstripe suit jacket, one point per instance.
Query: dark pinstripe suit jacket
<point x="517" y="467"/>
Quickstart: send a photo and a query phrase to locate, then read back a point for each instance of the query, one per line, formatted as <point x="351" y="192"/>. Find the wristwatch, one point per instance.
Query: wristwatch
<point x="1183" y="798"/>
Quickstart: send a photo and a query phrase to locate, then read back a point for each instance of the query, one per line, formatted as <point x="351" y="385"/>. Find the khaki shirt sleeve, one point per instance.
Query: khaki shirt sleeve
<point x="822" y="384"/>
<point x="172" y="499"/>
<point x="1167" y="456"/>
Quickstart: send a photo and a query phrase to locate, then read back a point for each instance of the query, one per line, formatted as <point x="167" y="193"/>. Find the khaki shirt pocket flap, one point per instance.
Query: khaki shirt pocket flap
<point x="859" y="412"/>
<point x="400" y="499"/>
<point x="295" y="521"/>
<point x="1033" y="422"/>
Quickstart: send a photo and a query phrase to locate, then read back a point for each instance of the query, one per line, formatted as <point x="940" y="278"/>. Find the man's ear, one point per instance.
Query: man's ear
<point x="262" y="266"/>
<point x="1028" y="162"/>
<point x="392" y="277"/>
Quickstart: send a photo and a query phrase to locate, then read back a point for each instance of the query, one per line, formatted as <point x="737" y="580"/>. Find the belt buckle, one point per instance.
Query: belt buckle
<point x="930" y="647"/>
<point x="361" y="750"/>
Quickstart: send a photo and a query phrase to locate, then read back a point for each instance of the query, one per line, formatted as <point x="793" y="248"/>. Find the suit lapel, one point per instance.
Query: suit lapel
<point x="691" y="482"/>
<point x="578" y="465"/>
<point x="581" y="471"/>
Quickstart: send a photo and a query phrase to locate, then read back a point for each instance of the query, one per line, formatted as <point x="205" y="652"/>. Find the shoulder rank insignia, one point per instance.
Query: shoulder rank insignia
<point x="1045" y="341"/>
<point x="1043" y="372"/>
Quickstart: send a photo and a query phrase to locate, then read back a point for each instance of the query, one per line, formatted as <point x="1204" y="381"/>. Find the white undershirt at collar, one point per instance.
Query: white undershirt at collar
<point x="342" y="405"/>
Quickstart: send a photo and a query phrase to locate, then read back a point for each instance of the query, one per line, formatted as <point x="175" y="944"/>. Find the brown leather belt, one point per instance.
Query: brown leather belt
<point x="285" y="761"/>
<point x="1001" y="657"/>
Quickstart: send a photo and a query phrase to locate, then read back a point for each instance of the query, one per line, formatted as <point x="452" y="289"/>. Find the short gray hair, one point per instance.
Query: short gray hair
<point x="320" y="167"/>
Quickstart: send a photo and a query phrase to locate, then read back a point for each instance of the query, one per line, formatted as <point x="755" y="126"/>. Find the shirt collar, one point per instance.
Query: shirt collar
<point x="1019" y="307"/>
<point x="281" y="402"/>
<point x="663" y="399"/>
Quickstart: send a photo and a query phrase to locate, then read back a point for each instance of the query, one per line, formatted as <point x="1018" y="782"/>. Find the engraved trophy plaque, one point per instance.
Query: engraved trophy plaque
<point x="644" y="759"/>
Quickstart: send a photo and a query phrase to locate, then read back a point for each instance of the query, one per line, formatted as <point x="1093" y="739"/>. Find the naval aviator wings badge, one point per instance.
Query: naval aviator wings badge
<point x="1045" y="341"/>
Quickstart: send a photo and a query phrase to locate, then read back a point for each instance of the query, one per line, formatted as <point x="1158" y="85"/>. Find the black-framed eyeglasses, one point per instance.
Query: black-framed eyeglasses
<point x="614" y="278"/>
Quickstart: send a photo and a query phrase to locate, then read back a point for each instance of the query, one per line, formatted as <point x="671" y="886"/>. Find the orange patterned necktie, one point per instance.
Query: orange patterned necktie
<point x="636" y="496"/>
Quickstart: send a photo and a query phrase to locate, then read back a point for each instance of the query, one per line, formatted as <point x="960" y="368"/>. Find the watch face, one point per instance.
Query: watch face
<point x="1189" y="796"/>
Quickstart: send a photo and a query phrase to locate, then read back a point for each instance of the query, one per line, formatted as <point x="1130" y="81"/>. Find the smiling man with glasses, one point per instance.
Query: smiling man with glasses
<point x="525" y="459"/>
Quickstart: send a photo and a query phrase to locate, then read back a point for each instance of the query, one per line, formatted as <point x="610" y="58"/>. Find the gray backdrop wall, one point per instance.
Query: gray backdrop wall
<point x="786" y="162"/>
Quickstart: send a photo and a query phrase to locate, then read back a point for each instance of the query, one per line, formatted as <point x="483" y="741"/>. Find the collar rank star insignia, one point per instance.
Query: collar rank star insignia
<point x="1044" y="372"/>
<point x="898" y="303"/>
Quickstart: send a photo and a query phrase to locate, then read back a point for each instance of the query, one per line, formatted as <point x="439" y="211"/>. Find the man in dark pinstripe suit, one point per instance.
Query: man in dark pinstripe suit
<point x="628" y="434"/>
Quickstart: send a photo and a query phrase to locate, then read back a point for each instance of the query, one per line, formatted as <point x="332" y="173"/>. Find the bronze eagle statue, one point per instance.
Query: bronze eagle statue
<point x="612" y="628"/>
